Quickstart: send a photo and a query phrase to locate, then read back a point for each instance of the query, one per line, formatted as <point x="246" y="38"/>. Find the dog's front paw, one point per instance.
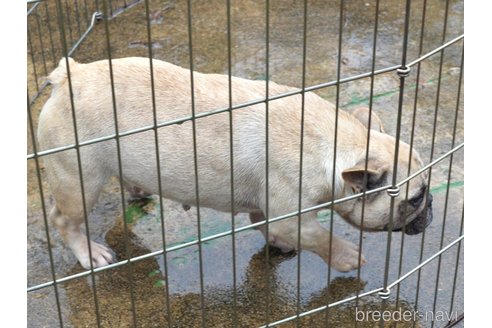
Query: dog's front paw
<point x="101" y="255"/>
<point x="345" y="256"/>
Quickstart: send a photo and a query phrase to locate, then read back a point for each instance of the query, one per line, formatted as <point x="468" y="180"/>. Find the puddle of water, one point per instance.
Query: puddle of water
<point x="147" y="284"/>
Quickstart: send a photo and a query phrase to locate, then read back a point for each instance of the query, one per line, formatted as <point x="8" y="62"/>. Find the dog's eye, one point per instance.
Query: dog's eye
<point x="416" y="201"/>
<point x="356" y="190"/>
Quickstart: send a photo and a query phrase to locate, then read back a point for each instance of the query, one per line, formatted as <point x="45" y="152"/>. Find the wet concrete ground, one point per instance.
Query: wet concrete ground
<point x="266" y="293"/>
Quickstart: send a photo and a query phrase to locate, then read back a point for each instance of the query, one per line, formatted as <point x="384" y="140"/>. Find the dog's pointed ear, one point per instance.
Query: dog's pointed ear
<point x="362" y="114"/>
<point x="377" y="173"/>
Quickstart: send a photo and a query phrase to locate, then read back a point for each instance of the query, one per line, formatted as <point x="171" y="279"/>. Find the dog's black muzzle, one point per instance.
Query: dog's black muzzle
<point x="421" y="222"/>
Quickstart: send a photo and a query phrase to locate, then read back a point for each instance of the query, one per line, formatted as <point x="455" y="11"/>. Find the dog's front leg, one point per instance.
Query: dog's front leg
<point x="315" y="238"/>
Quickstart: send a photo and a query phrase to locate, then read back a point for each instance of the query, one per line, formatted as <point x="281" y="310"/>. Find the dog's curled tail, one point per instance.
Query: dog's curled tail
<point x="60" y="73"/>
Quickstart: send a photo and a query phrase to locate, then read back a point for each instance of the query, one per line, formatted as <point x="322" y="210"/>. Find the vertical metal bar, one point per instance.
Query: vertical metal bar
<point x="45" y="216"/>
<point x="69" y="23"/>
<point x="86" y="13"/>
<point x="158" y="164"/>
<point x="419" y="273"/>
<point x="33" y="60"/>
<point x="41" y="44"/>
<point x="77" y="16"/>
<point x="371" y="95"/>
<point x="77" y="149"/>
<point x="443" y="227"/>
<point x="422" y="244"/>
<point x="450" y="159"/>
<point x="231" y="156"/>
<point x="456" y="266"/>
<point x="301" y="158"/>
<point x="48" y="20"/>
<point x="120" y="165"/>
<point x="110" y="8"/>
<point x="431" y="156"/>
<point x="195" y="160"/>
<point x="458" y="98"/>
<point x="397" y="149"/>
<point x="267" y="165"/>
<point x="414" y="116"/>
<point x="335" y="141"/>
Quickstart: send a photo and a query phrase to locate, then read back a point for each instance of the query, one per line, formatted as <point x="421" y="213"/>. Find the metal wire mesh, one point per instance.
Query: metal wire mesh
<point x="57" y="29"/>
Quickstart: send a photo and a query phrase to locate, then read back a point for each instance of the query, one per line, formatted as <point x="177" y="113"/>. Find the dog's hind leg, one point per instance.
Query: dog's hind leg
<point x="69" y="226"/>
<point x="272" y="240"/>
<point x="68" y="213"/>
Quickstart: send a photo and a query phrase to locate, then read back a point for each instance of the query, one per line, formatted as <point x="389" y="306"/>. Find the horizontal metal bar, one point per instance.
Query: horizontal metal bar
<point x="369" y="192"/>
<point x="435" y="51"/>
<point x="227" y="109"/>
<point x="321" y="308"/>
<point x="237" y="230"/>
<point x="105" y="138"/>
<point x="145" y="256"/>
<point x="352" y="298"/>
<point x="304" y="314"/>
<point x="418" y="267"/>
<point x="348" y="79"/>
<point x="205" y="114"/>
<point x="434" y="162"/>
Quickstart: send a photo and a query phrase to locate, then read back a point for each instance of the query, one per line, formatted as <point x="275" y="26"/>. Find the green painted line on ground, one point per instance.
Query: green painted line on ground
<point x="365" y="100"/>
<point x="443" y="186"/>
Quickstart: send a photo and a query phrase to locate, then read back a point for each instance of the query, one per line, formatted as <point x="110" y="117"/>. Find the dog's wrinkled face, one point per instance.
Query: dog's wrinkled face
<point x="412" y="209"/>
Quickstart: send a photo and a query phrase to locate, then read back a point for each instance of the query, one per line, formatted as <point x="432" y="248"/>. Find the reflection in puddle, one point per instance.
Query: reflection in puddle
<point x="145" y="283"/>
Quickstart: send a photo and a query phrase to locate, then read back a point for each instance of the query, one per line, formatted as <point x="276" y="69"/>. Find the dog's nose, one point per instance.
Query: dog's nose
<point x="421" y="222"/>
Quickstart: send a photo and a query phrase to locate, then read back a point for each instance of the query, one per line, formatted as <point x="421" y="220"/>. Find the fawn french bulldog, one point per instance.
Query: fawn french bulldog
<point x="90" y="87"/>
